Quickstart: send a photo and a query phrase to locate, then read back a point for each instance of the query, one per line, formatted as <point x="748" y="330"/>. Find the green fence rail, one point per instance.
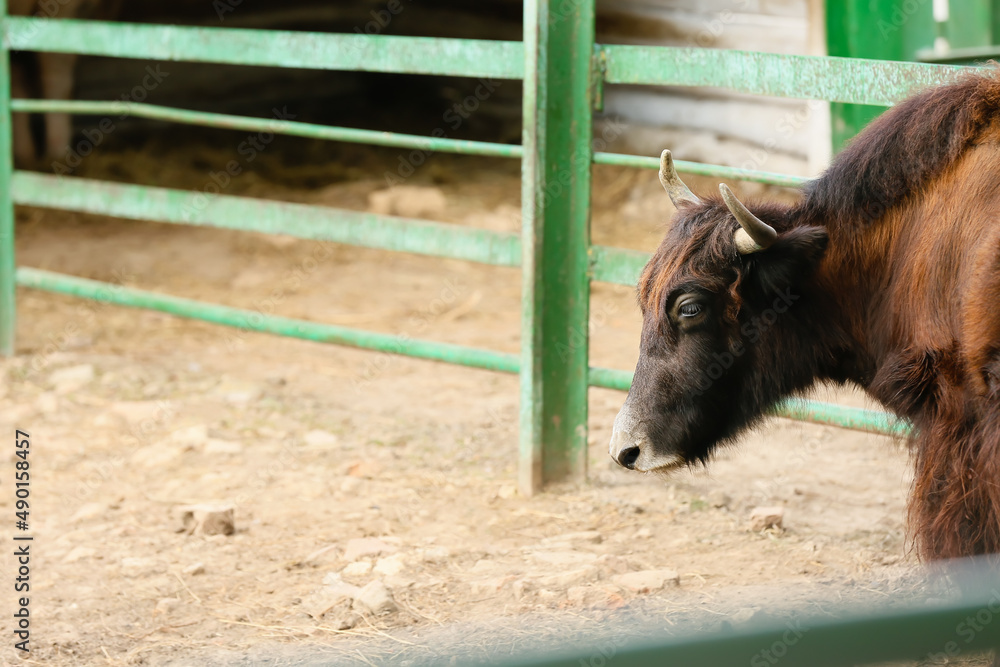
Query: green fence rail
<point x="561" y="70"/>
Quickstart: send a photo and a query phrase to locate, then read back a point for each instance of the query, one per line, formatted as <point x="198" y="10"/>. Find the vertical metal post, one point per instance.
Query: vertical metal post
<point x="8" y="308"/>
<point x="877" y="29"/>
<point x="555" y="200"/>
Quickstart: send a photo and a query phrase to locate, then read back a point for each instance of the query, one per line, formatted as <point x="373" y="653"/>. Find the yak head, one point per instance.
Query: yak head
<point x="718" y="299"/>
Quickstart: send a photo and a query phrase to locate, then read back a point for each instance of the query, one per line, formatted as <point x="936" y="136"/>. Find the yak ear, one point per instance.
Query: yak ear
<point x="792" y="257"/>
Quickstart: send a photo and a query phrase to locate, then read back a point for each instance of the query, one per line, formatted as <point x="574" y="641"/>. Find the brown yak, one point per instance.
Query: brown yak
<point x="886" y="274"/>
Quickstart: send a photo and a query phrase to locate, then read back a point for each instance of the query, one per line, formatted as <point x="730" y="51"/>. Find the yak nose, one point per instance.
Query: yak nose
<point x="625" y="447"/>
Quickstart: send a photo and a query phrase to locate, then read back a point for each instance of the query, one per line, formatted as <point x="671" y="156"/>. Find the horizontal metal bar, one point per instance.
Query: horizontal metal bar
<point x="155" y="204"/>
<point x="734" y="173"/>
<point x="799" y="409"/>
<point x="251" y="320"/>
<point x="851" y="80"/>
<point x="274" y="48"/>
<point x="918" y="631"/>
<point x="120" y="110"/>
<point x="617" y="265"/>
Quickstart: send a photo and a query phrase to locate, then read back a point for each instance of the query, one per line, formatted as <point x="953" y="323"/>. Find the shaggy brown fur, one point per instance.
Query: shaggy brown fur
<point x="905" y="301"/>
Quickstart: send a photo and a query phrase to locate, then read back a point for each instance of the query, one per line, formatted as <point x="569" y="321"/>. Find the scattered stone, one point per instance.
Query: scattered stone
<point x="434" y="554"/>
<point x="367" y="546"/>
<point x="359" y="568"/>
<point x="390" y="565"/>
<point x="569" y="578"/>
<point x="322" y="440"/>
<point x="643" y="534"/>
<point x="593" y="595"/>
<point x="375" y="598"/>
<point x="208" y="519"/>
<point x="79" y="553"/>
<point x="409" y="201"/>
<point x="166" y="606"/>
<point x="333" y="593"/>
<point x="194" y="570"/>
<point x="66" y="380"/>
<point x="239" y="393"/>
<point x="762" y="518"/>
<point x="564" y="557"/>
<point x="88" y="511"/>
<point x="223" y="447"/>
<point x="507" y="491"/>
<point x="647" y="580"/>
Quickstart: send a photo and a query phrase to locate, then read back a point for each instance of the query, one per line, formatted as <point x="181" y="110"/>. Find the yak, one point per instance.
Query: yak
<point x="885" y="274"/>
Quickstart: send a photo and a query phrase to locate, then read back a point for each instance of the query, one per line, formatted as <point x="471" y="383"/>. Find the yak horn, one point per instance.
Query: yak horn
<point x="754" y="234"/>
<point x="672" y="183"/>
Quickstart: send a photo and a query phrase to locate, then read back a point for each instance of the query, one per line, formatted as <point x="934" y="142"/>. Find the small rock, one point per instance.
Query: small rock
<point x="79" y="553"/>
<point x="208" y="519"/>
<point x="367" y="546"/>
<point x="762" y="518"/>
<point x="66" y="380"/>
<point x="507" y="491"/>
<point x="166" y="606"/>
<point x="390" y="565"/>
<point x="359" y="568"/>
<point x="643" y="534"/>
<point x="592" y="595"/>
<point x="375" y="598"/>
<point x="223" y="447"/>
<point x="569" y="578"/>
<point x="239" y="393"/>
<point x="647" y="580"/>
<point x="194" y="570"/>
<point x="332" y="594"/>
<point x="321" y="440"/>
<point x="434" y="554"/>
<point x="88" y="511"/>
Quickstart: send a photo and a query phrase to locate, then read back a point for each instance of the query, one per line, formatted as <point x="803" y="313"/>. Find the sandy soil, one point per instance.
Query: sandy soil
<point x="134" y="415"/>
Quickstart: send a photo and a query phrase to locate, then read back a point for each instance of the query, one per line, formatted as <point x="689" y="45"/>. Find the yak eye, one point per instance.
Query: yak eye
<point x="689" y="309"/>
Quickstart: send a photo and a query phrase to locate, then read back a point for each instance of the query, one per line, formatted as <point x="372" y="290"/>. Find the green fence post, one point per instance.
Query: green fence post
<point x="555" y="200"/>
<point x="8" y="308"/>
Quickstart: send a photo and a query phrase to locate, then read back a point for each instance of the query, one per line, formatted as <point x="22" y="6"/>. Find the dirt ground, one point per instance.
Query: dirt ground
<point x="347" y="467"/>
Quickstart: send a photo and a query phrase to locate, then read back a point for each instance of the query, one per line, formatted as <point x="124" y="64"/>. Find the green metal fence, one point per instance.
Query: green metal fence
<point x="563" y="73"/>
